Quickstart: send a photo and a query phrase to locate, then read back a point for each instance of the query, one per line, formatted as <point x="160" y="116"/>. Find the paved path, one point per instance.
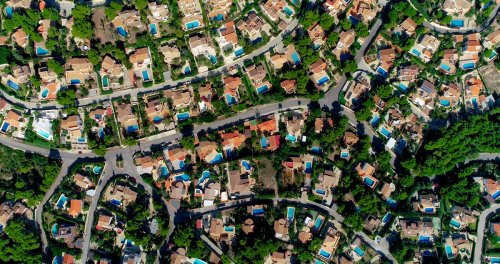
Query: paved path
<point x="478" y="250"/>
<point x="383" y="250"/>
<point x="39" y="209"/>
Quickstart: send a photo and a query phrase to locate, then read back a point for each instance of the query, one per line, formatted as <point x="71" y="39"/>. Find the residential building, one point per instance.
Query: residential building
<point x="387" y="189"/>
<point x="317" y="35"/>
<point x="289" y="56"/>
<point x="450" y="58"/>
<point x="408" y="73"/>
<point x="425" y="48"/>
<point x="171" y="55"/>
<point x="78" y="70"/>
<point x="141" y="64"/>
<point x="424" y="97"/>
<point x="452" y="95"/>
<point x="207" y="151"/>
<point x="231" y="89"/>
<point x="281" y="229"/>
<point x="19" y="4"/>
<point x="219" y="232"/>
<point x="320" y="123"/>
<point x="252" y="26"/>
<point x="492" y="39"/>
<point x="427" y="204"/>
<point x="159" y="12"/>
<point x="362" y="11"/>
<point x="335" y="7"/>
<point x="258" y="76"/>
<point x="104" y="222"/>
<point x="408" y="26"/>
<point x="228" y="39"/>
<point x="177" y="157"/>
<point x="127" y="20"/>
<point x="454" y="7"/>
<point x="75" y="208"/>
<point x="218" y="10"/>
<point x="366" y="171"/>
<point x="13" y="120"/>
<point x="83" y="182"/>
<point x="200" y="45"/>
<point x="319" y="75"/>
<point x="42" y="126"/>
<point x="22" y="73"/>
<point x="492" y="188"/>
<point x="240" y="183"/>
<point x="294" y="125"/>
<point x="231" y="142"/>
<point x="356" y="89"/>
<point x="326" y="182"/>
<point x="290" y="86"/>
<point x="111" y="72"/>
<point x="127" y="118"/>
<point x="123" y="194"/>
<point x="277" y="9"/>
<point x="8" y="210"/>
<point x="462" y="217"/>
<point x="248" y="226"/>
<point x="74" y="127"/>
<point x="20" y="38"/>
<point x="329" y="245"/>
<point x="346" y="39"/>
<point x="192" y="14"/>
<point x="424" y="229"/>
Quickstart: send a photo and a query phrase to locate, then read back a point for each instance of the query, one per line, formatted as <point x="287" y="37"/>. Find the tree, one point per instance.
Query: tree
<point x="55" y="66"/>
<point x="346" y="24"/>
<point x="113" y="8"/>
<point x="384" y="92"/>
<point x="5" y="55"/>
<point x="187" y="142"/>
<point x="309" y="18"/>
<point x="326" y="21"/>
<point x="66" y="97"/>
<point x="333" y="38"/>
<point x="362" y="30"/>
<point x="94" y="57"/>
<point x="141" y="4"/>
<point x="20" y="243"/>
<point x="82" y="17"/>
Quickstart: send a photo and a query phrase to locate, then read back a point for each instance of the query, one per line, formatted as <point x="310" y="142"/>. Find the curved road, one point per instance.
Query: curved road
<point x="478" y="250"/>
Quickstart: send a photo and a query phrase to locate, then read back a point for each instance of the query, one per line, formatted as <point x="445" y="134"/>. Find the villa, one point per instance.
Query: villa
<point x="491" y="188"/>
<point x="425" y="48"/>
<point x="452" y="95"/>
<point x="43" y="28"/>
<point x="70" y="236"/>
<point x="386" y="190"/>
<point x="104" y="222"/>
<point x="450" y="58"/>
<point x="472" y="90"/>
<point x="321" y="123"/>
<point x="427" y="204"/>
<point x="177" y="157"/>
<point x="10" y="81"/>
<point x="127" y="20"/>
<point x="231" y="89"/>
<point x="127" y="119"/>
<point x="326" y="181"/>
<point x="334" y="7"/>
<point x="356" y="89"/>
<point x="13" y="120"/>
<point x="182" y="98"/>
<point x="456" y="244"/>
<point x="248" y="226"/>
<point x="207" y="151"/>
<point x="395" y="119"/>
<point x="294" y="126"/>
<point x="4" y="106"/>
<point x="22" y="73"/>
<point x="171" y="55"/>
<point x="290" y="56"/>
<point x="281" y="229"/>
<point x="252" y="26"/>
<point x="279" y="258"/>
<point x="120" y="195"/>
<point x="219" y="232"/>
<point x="200" y="45"/>
<point x="141" y="64"/>
<point x="74" y="127"/>
<point x="146" y="164"/>
<point x="241" y="183"/>
<point x="159" y="12"/>
<point x="211" y="192"/>
<point x="277" y="9"/>
<point x="19" y="4"/>
<point x="20" y="38"/>
<point x="460" y="7"/>
<point x="42" y="125"/>
<point x="231" y="142"/>
<point x="289" y="86"/>
<point x="78" y="70"/>
<point x="110" y="73"/>
<point x="192" y="14"/>
<point x="46" y="74"/>
<point x="346" y="39"/>
<point x="362" y="11"/>
<point x="9" y="210"/>
<point x="75" y="208"/>
<point x="424" y="97"/>
<point x="423" y="229"/>
<point x="83" y="182"/>
<point x="462" y="217"/>
<point x="329" y="245"/>
<point x="492" y="39"/>
<point x="228" y="39"/>
<point x="319" y="75"/>
<point x="218" y="10"/>
<point x="206" y="93"/>
<point x="408" y="26"/>
<point x="366" y="171"/>
<point x="408" y="73"/>
<point x="156" y="110"/>
<point x="317" y="35"/>
<point x="257" y="75"/>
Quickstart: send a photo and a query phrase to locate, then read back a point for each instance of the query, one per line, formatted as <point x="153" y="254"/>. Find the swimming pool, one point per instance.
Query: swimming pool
<point x="230" y="100"/>
<point x="229" y="228"/>
<point x="212" y="59"/>
<point x="324" y="254"/>
<point x="75" y="82"/>
<point x="101" y="133"/>
<point x="382" y="72"/>
<point x="308" y="167"/>
<point x="291" y="138"/>
<point x="392" y="203"/>
<point x="183" y="116"/>
<point x="121" y="31"/>
<point x="387" y="217"/>
<point x="288" y="10"/>
<point x="468" y="65"/>
<point x="403" y="87"/>
<point x="157" y="119"/>
<point x="429" y="210"/>
<point x="263" y="142"/>
<point x="416" y="52"/>
<point x="13" y="85"/>
<point x="455" y="223"/>
<point x="375" y="120"/>
<point x="239" y="52"/>
<point x="61" y="202"/>
<point x="116" y="202"/>
<point x="344" y="154"/>
<point x="145" y="75"/>
<point x="96" y="170"/>
<point x="132" y="128"/>
<point x="257" y="211"/>
<point x="187" y="70"/>
<point x="246" y="165"/>
<point x="218" y="17"/>
<point x="495" y="260"/>
<point x="217" y="159"/>
<point x="317" y="223"/>
<point x="43" y="134"/>
<point x="198" y="261"/>
<point x="445" y="67"/>
<point x="45" y="93"/>
<point x="163" y="171"/>
<point x="424" y="239"/>
<point x="320" y="191"/>
<point x="204" y="175"/>
<point x="153" y="29"/>
<point x="262" y="89"/>
<point x="182" y="177"/>
<point x="444" y="102"/>
<point x="5" y="127"/>
<point x="9" y="11"/>
<point x="105" y="81"/>
<point x="323" y="80"/>
<point x="385" y="132"/>
<point x="295" y="58"/>
<point x="354" y="20"/>
<point x="474" y="102"/>
<point x="449" y="251"/>
<point x="368" y="181"/>
<point x="55" y="229"/>
<point x="290" y="213"/>
<point x="40" y="51"/>
<point x="192" y="24"/>
<point x="316" y="149"/>
<point x="457" y="23"/>
<point x="359" y="251"/>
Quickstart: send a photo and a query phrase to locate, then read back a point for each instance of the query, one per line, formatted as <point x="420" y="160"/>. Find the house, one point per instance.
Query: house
<point x="46" y="75"/>
<point x="22" y="73"/>
<point x="210" y="193"/>
<point x="408" y="73"/>
<point x="171" y="54"/>
<point x="454" y="7"/>
<point x="346" y="39"/>
<point x="178" y="256"/>
<point x="387" y="189"/>
<point x="207" y="151"/>
<point x="330" y="244"/>
<point x="386" y="55"/>
<point x="12" y="120"/>
<point x="257" y="75"/>
<point x="366" y="171"/>
<point x="492" y="188"/>
<point x="218" y="10"/>
<point x="305" y="236"/>
<point x="252" y="26"/>
<point x="228" y="39"/>
<point x="159" y="12"/>
<point x="18" y="4"/>
<point x="294" y="125"/>
<point x="320" y="123"/>
<point x="8" y="210"/>
<point x="326" y="182"/>
<point x="473" y="88"/>
<point x="219" y="232"/>
<point x="425" y="48"/>
<point x="408" y="26"/>
<point x="125" y="21"/>
<point x="178" y="190"/>
<point x="69" y="235"/>
<point x="123" y="194"/>
<point x="290" y="86"/>
<point x="289" y="56"/>
<point x="156" y="110"/>
<point x="127" y="118"/>
<point x="492" y="39"/>
<point x="281" y="229"/>
<point x="362" y="11"/>
<point x="181" y="98"/>
<point x="452" y="94"/>
<point x="356" y="89"/>
<point x="20" y="37"/>
<point x="200" y="45"/>
<point x="74" y="127"/>
<point x="231" y="86"/>
<point x="78" y="70"/>
<point x="334" y="7"/>
<point x="110" y="72"/>
<point x="241" y="183"/>
<point x="83" y="182"/>
<point x="231" y="142"/>
<point x="456" y="244"/>
<point x="104" y="222"/>
<point x="141" y="64"/>
<point x="424" y="229"/>
<point x="319" y="75"/>
<point x="317" y="35"/>
<point x="270" y="143"/>
<point x="177" y="157"/>
<point x="75" y="208"/>
<point x="277" y="9"/>
<point x="192" y="14"/>
<point x="424" y="97"/>
<point x="371" y="223"/>
<point x="4" y="106"/>
<point x="473" y="44"/>
<point x="447" y="66"/>
<point x="68" y="259"/>
<point x="427" y="204"/>
<point x="350" y="138"/>
<point x="279" y="258"/>
<point x="146" y="164"/>
<point x="462" y="217"/>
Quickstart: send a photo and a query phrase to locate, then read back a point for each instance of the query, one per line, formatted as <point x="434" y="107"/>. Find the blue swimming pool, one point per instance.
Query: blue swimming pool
<point x="157" y="119"/>
<point x="105" y="81"/>
<point x="218" y="17"/>
<point x="323" y="80"/>
<point x="392" y="203"/>
<point x="295" y="58"/>
<point x="385" y="132"/>
<point x="288" y="10"/>
<point x="57" y="260"/>
<point x="152" y="29"/>
<point x="41" y="51"/>
<point x="198" y="261"/>
<point x="368" y="181"/>
<point x="429" y="210"/>
<point x="229" y="228"/>
<point x="416" y="52"/>
<point x="55" y="229"/>
<point x="183" y="116"/>
<point x="324" y="254"/>
<point x="308" y="167"/>
<point x="496" y="195"/>
<point x="43" y="133"/>
<point x="230" y="99"/>
<point x="468" y="65"/>
<point x="316" y="150"/>
<point x="97" y="169"/>
<point x="101" y="133"/>
<point x="45" y="93"/>
<point x="290" y="213"/>
<point x="246" y="165"/>
<point x="257" y="211"/>
<point x="204" y="175"/>
<point x="192" y="24"/>
<point x="403" y="87"/>
<point x="239" y="52"/>
<point x="5" y="127"/>
<point x="145" y="75"/>
<point x="455" y="223"/>
<point x="262" y="89"/>
<point x="495" y="260"/>
<point x="449" y="251"/>
<point x="354" y="20"/>
<point x="187" y="70"/>
<point x="61" y="202"/>
<point x="291" y="138"/>
<point x="444" y="102"/>
<point x="317" y="223"/>
<point x="382" y="72"/>
<point x="115" y="202"/>
<point x="424" y="239"/>
<point x="387" y="217"/>
<point x="457" y="23"/>
<point x="182" y="177"/>
<point x="263" y="142"/>
<point x="375" y="120"/>
<point x="212" y="59"/>
<point x="474" y="102"/>
<point x="163" y="171"/>
<point x="217" y="159"/>
<point x="121" y="31"/>
<point x="445" y="67"/>
<point x="493" y="54"/>
<point x="359" y="251"/>
<point x="344" y="154"/>
<point x="320" y="191"/>
<point x="13" y="85"/>
<point x="75" y="82"/>
<point x="132" y="128"/>
<point x="9" y="11"/>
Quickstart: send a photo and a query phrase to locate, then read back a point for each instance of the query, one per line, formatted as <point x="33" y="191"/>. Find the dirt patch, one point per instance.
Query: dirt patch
<point x="267" y="175"/>
<point x="491" y="78"/>
<point x="103" y="31"/>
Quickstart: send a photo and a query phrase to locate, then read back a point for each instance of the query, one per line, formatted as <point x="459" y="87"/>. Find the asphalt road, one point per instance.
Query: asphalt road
<point x="383" y="250"/>
<point x="478" y="250"/>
